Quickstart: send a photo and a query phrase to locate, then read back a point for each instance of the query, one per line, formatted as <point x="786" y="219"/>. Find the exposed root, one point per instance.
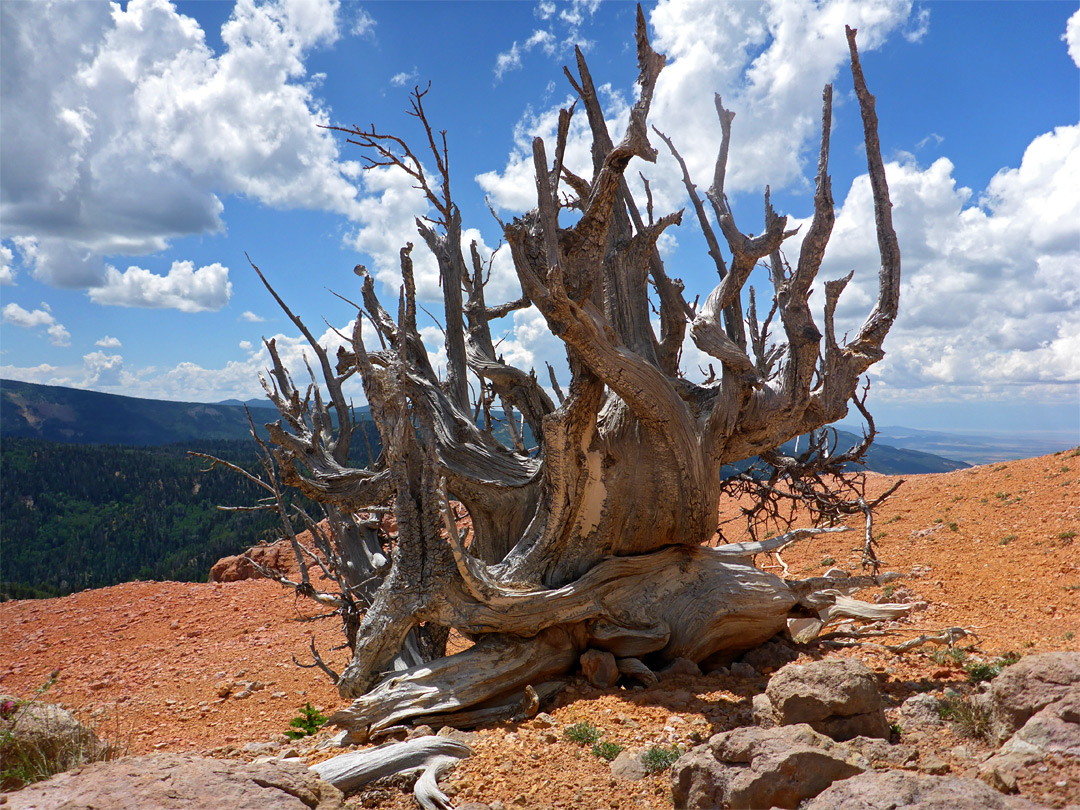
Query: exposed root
<point x="431" y="755"/>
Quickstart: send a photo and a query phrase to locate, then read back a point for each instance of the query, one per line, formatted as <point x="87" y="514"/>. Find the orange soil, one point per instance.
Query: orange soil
<point x="997" y="545"/>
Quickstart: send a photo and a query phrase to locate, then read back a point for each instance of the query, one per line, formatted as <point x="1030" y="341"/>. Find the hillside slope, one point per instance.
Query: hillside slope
<point x="76" y="416"/>
<point x="994" y="549"/>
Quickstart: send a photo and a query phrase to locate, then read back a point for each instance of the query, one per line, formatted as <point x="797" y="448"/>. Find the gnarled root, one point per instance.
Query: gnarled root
<point x="430" y="755"/>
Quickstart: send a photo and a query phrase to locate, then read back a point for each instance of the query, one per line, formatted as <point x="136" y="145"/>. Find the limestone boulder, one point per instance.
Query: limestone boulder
<point x="43" y="737"/>
<point x="838" y="697"/>
<point x="901" y="790"/>
<point x="1053" y="730"/>
<point x="180" y="782"/>
<point x="752" y="768"/>
<point x="1029" y="685"/>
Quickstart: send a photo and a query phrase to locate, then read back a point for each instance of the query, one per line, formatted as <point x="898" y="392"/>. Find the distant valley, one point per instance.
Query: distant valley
<point x="99" y="489"/>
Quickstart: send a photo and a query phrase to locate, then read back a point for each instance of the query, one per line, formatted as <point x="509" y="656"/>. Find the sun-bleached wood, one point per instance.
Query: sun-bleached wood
<point x="597" y="538"/>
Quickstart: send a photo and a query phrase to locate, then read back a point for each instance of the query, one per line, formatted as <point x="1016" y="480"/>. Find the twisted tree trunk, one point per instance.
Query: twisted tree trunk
<point x="596" y="540"/>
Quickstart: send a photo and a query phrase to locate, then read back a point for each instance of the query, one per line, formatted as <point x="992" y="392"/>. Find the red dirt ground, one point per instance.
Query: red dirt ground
<point x="149" y="662"/>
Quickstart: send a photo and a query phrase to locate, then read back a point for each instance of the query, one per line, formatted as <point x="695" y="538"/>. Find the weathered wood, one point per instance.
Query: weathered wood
<point x="429" y="755"/>
<point x="595" y="539"/>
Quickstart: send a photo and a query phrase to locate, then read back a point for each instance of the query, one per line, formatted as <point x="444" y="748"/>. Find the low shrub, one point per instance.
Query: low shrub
<point x="660" y="758"/>
<point x="583" y="733"/>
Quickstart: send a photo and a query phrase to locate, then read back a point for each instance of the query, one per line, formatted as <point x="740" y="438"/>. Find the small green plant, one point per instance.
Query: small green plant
<point x="954" y="527"/>
<point x="1069" y="635"/>
<point x="308" y="722"/>
<point x="1029" y="644"/>
<point x="968" y="718"/>
<point x="606" y="750"/>
<point x="1066" y="535"/>
<point x="659" y="758"/>
<point x="952" y="655"/>
<point x="888" y="591"/>
<point x="583" y="733"/>
<point x="979" y="671"/>
<point x="1007" y="539"/>
<point x="827" y="561"/>
<point x="896" y="729"/>
<point x="61" y="747"/>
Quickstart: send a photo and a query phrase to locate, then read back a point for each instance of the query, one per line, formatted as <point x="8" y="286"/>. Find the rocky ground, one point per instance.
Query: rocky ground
<point x="207" y="668"/>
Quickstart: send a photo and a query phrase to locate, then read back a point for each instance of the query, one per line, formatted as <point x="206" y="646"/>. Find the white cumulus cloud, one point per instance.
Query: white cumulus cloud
<point x="184" y="288"/>
<point x="108" y="342"/>
<point x="1072" y="37"/>
<point x="990" y="296"/>
<point x="123" y="130"/>
<point x="35" y="319"/>
<point x="251" y="317"/>
<point x="7" y="270"/>
<point x="768" y="61"/>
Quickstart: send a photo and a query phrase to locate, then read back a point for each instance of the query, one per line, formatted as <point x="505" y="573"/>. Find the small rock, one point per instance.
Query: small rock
<point x="887" y="790"/>
<point x="629" y="766"/>
<point x="681" y="666"/>
<point x="770" y="656"/>
<point x="550" y="737"/>
<point x="223" y="689"/>
<point x="544" y="720"/>
<point x="419" y="731"/>
<point x="743" y="670"/>
<point x="599" y="668"/>
<point x="933" y="764"/>
<point x="465" y="737"/>
<point x="921" y="710"/>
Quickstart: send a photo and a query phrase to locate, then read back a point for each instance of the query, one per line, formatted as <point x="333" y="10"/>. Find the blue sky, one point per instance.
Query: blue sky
<point x="146" y="146"/>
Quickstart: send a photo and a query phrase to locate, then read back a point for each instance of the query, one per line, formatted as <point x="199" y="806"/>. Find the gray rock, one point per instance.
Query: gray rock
<point x="599" y="668"/>
<point x="901" y="790"/>
<point x="630" y="765"/>
<point x="921" y="710"/>
<point x="1024" y="688"/>
<point x="45" y="733"/>
<point x="880" y="753"/>
<point x="770" y="656"/>
<point x="932" y="763"/>
<point x="741" y="669"/>
<point x="751" y="768"/>
<point x="181" y="782"/>
<point x="838" y="697"/>
<point x="681" y="666"/>
<point x="1054" y="729"/>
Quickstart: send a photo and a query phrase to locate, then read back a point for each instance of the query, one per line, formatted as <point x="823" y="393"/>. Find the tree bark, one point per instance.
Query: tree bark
<point x="595" y="540"/>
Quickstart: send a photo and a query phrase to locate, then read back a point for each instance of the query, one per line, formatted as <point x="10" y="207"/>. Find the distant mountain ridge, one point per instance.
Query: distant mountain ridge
<point x="77" y="416"/>
<point x="979" y="447"/>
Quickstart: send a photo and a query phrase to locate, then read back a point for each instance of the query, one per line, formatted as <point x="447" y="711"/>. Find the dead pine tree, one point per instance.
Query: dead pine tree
<point x="596" y="539"/>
